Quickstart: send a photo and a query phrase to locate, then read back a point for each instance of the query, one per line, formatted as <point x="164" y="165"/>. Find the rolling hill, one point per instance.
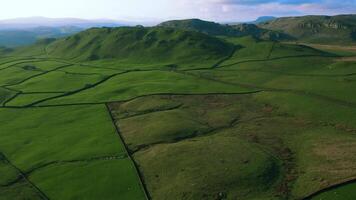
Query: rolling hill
<point x="165" y="113"/>
<point x="20" y="37"/>
<point x="339" y="29"/>
<point x="210" y="28"/>
<point x="216" y="29"/>
<point x="141" y="45"/>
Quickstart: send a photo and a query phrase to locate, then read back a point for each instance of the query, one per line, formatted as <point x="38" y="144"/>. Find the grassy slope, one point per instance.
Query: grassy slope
<point x="79" y="135"/>
<point x="317" y="29"/>
<point x="213" y="164"/>
<point x="210" y="28"/>
<point x="256" y="65"/>
<point x="130" y="85"/>
<point x="143" y="45"/>
<point x="346" y="192"/>
<point x="216" y="29"/>
<point x="314" y="154"/>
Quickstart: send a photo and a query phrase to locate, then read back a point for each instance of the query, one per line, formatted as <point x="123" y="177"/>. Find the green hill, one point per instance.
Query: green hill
<point x="141" y="45"/>
<point x="260" y="33"/>
<point x="210" y="28"/>
<point x="216" y="29"/>
<point x="20" y="37"/>
<point x="317" y="29"/>
<point x="164" y="113"/>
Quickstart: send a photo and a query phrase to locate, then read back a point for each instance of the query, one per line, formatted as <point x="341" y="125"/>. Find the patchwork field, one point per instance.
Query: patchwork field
<point x="261" y="120"/>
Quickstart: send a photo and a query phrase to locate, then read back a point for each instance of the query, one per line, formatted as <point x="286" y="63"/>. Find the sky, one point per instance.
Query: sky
<point x="160" y="10"/>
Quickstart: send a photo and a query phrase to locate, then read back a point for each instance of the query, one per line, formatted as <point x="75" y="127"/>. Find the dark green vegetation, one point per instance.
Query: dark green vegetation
<point x="344" y="192"/>
<point x="339" y="29"/>
<point x="215" y="29"/>
<point x="138" y="45"/>
<point x="198" y="117"/>
<point x="231" y="146"/>
<point x="19" y="37"/>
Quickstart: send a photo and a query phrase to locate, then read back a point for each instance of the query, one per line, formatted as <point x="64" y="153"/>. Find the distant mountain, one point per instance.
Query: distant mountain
<point x="33" y="22"/>
<point x="263" y="19"/>
<point x="140" y="44"/>
<point x="19" y="37"/>
<point x="216" y="29"/>
<point x="339" y="29"/>
<point x="25" y="31"/>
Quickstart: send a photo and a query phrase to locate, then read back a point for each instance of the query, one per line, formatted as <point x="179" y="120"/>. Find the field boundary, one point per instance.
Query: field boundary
<point x="331" y="187"/>
<point x="138" y="173"/>
<point x="23" y="176"/>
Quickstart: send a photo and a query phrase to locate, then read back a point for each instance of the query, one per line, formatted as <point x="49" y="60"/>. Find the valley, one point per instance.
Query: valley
<point x="168" y="113"/>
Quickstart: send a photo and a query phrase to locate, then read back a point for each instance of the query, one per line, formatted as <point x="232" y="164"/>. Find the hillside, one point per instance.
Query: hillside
<point x="163" y="113"/>
<point x="317" y="29"/>
<point x="210" y="28"/>
<point x="19" y="37"/>
<point x="257" y="32"/>
<point x="263" y="19"/>
<point x="139" y="44"/>
<point x="216" y="29"/>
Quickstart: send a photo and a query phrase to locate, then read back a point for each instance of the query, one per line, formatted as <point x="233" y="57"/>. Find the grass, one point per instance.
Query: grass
<point x="78" y="135"/>
<point x="326" y="157"/>
<point x="38" y="143"/>
<point x="130" y="85"/>
<point x="18" y="191"/>
<point x="26" y="99"/>
<point x="193" y="172"/>
<point x="287" y="135"/>
<point x="57" y="82"/>
<point x="5" y="95"/>
<point x="176" y="152"/>
<point x="15" y="75"/>
<point x="142" y="45"/>
<point x="308" y="154"/>
<point x="346" y="192"/>
<point x="114" y="179"/>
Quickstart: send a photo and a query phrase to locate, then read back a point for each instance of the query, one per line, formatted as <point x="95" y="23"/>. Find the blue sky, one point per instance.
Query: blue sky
<point x="158" y="10"/>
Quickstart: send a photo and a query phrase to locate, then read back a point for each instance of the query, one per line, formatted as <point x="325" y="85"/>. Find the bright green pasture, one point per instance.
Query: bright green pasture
<point x="32" y="138"/>
<point x="106" y="179"/>
<point x="89" y="70"/>
<point x="130" y="85"/>
<point x="249" y="48"/>
<point x="28" y="138"/>
<point x="9" y="62"/>
<point x="5" y="95"/>
<point x="58" y="82"/>
<point x="42" y="65"/>
<point x="27" y="99"/>
<point x="335" y="87"/>
<point x="15" y="75"/>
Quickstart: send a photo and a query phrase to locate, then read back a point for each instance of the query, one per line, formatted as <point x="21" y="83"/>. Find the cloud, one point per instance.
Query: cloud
<point x="259" y="2"/>
<point x="160" y="10"/>
<point x="227" y="10"/>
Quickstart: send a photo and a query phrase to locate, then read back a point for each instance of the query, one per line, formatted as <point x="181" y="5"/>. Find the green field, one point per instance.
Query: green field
<point x="345" y="192"/>
<point x="175" y="114"/>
